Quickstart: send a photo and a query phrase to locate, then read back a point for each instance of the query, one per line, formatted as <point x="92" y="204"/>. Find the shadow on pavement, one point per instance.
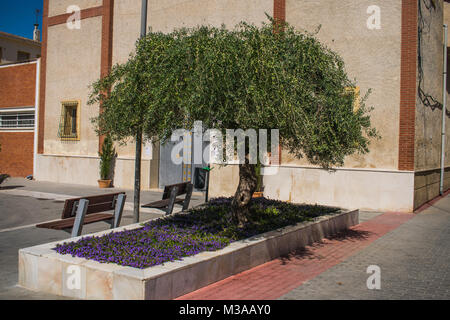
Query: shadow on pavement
<point x="308" y="252"/>
<point x="10" y="187"/>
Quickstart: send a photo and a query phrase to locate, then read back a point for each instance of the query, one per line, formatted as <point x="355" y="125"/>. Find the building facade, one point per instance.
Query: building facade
<point x="393" y="47"/>
<point x="18" y="49"/>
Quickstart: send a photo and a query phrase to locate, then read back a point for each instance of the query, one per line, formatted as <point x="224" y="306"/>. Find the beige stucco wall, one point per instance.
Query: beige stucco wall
<point x="84" y="170"/>
<point x="372" y="57"/>
<point x="166" y="15"/>
<point x="79" y="51"/>
<point x="73" y="63"/>
<point x="169" y="14"/>
<point x="57" y="7"/>
<point x="352" y="189"/>
<point x="365" y="189"/>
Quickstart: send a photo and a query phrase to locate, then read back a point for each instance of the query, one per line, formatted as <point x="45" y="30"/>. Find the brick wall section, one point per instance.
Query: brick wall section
<point x="17" y="89"/>
<point x="279" y="10"/>
<point x="107" y="40"/>
<point x="279" y="15"/>
<point x="42" y="81"/>
<point x="408" y="84"/>
<point x="17" y="85"/>
<point x="16" y="156"/>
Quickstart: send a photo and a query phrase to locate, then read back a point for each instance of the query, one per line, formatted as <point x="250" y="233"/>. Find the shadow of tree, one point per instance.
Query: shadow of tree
<point x="308" y="252"/>
<point x="10" y="187"/>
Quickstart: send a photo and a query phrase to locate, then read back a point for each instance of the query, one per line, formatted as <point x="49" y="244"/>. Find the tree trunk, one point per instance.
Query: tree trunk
<point x="248" y="182"/>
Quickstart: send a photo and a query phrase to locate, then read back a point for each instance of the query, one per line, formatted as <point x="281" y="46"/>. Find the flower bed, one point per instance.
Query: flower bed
<point x="206" y="228"/>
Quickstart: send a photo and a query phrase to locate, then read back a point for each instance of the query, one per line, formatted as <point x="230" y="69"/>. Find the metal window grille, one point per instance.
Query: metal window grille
<point x="68" y="124"/>
<point x="17" y="120"/>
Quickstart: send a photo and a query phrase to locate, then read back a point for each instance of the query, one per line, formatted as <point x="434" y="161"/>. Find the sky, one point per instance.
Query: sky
<point x="19" y="16"/>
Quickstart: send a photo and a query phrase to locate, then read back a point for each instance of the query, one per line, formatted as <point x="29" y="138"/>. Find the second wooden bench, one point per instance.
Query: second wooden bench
<point x="169" y="198"/>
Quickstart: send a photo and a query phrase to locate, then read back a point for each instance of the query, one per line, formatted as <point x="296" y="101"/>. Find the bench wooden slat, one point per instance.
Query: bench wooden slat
<point x="68" y="222"/>
<point x="161" y="203"/>
<point x="169" y="197"/>
<point x="181" y="189"/>
<point x="85" y="210"/>
<point x="99" y="203"/>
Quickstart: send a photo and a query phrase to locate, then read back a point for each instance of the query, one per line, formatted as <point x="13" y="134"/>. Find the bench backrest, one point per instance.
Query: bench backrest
<point x="182" y="189"/>
<point x="100" y="203"/>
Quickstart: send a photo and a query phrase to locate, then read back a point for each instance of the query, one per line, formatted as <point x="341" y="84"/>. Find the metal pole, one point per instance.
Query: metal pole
<point x="144" y="18"/>
<point x="138" y="154"/>
<point x="137" y="177"/>
<point x="444" y="109"/>
<point x="207" y="183"/>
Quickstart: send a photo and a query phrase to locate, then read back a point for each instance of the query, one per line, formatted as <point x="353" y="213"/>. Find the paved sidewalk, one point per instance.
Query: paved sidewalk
<point x="413" y="252"/>
<point x="414" y="261"/>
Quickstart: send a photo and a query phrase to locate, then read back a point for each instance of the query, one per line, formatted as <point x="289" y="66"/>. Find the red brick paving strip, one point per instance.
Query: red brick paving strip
<point x="275" y="278"/>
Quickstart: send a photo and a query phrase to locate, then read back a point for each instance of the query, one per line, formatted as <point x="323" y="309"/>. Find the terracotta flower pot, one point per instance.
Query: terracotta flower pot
<point x="258" y="194"/>
<point x="104" y="183"/>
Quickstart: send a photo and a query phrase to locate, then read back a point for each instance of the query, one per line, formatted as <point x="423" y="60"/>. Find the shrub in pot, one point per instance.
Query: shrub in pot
<point x="3" y="177"/>
<point x="106" y="159"/>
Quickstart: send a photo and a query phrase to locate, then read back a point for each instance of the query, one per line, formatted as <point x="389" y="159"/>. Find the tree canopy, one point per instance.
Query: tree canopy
<point x="247" y="77"/>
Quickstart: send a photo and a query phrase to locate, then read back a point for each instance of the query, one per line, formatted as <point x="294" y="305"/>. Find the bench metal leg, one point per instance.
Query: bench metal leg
<point x="187" y="198"/>
<point x="173" y="196"/>
<point x="118" y="211"/>
<point x="79" y="218"/>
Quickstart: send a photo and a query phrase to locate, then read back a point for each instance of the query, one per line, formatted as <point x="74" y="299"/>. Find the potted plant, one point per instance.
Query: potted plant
<point x="3" y="177"/>
<point x="106" y="157"/>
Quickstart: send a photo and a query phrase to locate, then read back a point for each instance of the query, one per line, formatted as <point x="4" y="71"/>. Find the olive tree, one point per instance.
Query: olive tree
<point x="249" y="77"/>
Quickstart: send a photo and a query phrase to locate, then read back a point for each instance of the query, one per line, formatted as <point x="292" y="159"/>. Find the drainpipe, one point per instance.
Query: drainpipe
<point x="36" y="115"/>
<point x="444" y="109"/>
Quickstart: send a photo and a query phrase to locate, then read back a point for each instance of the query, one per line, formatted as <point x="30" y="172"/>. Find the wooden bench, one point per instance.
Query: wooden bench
<point x="80" y="211"/>
<point x="169" y="198"/>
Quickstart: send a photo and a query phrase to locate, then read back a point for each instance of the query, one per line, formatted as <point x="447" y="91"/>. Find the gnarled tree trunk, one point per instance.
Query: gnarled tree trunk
<point x="248" y="182"/>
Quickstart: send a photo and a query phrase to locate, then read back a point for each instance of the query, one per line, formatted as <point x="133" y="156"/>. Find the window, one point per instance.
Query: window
<point x="1" y="54"/>
<point x="69" y="125"/>
<point x="17" y="120"/>
<point x="22" y="56"/>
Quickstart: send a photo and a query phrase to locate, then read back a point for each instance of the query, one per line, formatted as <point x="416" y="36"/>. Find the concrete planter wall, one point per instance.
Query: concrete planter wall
<point x="42" y="269"/>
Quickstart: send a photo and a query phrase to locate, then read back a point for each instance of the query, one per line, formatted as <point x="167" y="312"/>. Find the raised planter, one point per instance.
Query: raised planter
<point x="42" y="269"/>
